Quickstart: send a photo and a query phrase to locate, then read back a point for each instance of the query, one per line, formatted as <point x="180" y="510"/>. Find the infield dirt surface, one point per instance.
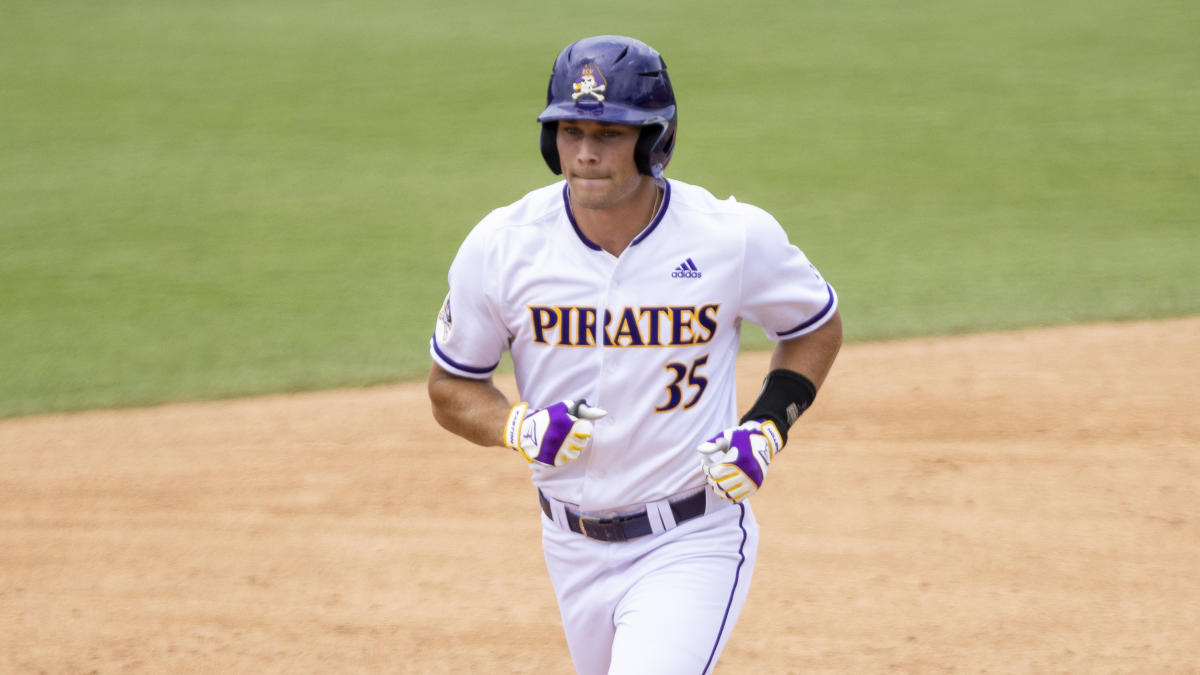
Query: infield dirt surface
<point x="1020" y="502"/>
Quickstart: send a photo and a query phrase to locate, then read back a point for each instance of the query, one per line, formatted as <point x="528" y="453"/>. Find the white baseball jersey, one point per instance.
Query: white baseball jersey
<point x="650" y="335"/>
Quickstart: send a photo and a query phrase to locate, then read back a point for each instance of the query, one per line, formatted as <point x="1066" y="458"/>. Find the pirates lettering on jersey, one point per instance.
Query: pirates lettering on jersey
<point x="652" y="326"/>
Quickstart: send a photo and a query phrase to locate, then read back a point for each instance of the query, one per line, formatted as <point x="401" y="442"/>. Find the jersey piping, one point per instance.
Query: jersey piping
<point x="818" y="318"/>
<point x="461" y="366"/>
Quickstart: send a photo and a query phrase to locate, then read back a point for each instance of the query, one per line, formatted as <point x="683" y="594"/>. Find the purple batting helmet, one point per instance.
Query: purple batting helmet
<point x="612" y="78"/>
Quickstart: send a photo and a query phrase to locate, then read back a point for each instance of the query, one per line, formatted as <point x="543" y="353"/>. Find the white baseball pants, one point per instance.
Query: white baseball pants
<point x="660" y="604"/>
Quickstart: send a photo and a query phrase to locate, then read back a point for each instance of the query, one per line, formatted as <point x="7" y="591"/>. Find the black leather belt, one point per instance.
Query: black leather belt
<point x="624" y="528"/>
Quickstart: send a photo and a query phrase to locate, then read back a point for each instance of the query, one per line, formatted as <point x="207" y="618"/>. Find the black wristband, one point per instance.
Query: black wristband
<point x="785" y="396"/>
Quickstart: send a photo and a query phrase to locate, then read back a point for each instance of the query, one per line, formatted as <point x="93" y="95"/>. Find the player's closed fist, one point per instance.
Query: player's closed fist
<point x="553" y="435"/>
<point x="735" y="461"/>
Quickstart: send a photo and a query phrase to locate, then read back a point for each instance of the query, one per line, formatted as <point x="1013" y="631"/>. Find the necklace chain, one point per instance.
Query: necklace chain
<point x="657" y="201"/>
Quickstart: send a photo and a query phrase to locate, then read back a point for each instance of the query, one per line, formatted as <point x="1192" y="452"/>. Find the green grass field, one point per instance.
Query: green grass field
<point x="216" y="199"/>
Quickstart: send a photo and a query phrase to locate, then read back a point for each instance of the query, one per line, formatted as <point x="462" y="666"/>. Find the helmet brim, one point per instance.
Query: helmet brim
<point x="614" y="113"/>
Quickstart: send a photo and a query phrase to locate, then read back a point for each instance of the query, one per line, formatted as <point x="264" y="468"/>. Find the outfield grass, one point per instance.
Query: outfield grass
<point x="215" y="199"/>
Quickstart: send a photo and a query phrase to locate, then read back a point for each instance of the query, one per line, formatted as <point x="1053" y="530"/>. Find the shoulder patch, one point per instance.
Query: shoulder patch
<point x="445" y="322"/>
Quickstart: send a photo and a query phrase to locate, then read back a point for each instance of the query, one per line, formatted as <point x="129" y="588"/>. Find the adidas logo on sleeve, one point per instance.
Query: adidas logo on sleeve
<point x="686" y="270"/>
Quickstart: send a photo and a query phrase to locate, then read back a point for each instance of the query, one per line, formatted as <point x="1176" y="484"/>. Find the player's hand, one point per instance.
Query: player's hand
<point x="553" y="435"/>
<point x="736" y="460"/>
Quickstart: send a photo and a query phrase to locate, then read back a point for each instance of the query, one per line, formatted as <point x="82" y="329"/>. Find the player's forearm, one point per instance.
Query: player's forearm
<point x="798" y="368"/>
<point x="811" y="355"/>
<point x="473" y="409"/>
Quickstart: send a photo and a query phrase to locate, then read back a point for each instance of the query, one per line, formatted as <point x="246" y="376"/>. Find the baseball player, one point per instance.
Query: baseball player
<point x="620" y="295"/>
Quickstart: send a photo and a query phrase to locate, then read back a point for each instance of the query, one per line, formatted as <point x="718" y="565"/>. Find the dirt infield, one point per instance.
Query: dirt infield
<point x="1007" y="503"/>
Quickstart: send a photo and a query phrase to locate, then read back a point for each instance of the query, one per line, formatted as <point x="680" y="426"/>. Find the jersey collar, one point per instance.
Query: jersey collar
<point x="662" y="211"/>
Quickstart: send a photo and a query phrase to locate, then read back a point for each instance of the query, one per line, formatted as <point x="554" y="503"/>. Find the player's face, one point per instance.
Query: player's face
<point x="597" y="161"/>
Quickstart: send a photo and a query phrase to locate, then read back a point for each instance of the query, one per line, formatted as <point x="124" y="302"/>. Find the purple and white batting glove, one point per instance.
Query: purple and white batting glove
<point x="553" y="435"/>
<point x="736" y="460"/>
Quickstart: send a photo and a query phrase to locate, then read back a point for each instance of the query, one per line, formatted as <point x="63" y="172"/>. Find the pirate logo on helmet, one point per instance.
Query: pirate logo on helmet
<point x="591" y="82"/>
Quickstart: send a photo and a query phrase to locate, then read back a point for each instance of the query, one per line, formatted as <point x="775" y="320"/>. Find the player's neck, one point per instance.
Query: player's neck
<point x="613" y="228"/>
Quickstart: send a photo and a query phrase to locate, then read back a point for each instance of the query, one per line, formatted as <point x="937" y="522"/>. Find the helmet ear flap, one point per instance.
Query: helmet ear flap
<point x="549" y="143"/>
<point x="645" y="144"/>
<point x="653" y="144"/>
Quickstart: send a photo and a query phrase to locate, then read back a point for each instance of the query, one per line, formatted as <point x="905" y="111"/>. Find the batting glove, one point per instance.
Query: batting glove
<point x="736" y="460"/>
<point x="553" y="435"/>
